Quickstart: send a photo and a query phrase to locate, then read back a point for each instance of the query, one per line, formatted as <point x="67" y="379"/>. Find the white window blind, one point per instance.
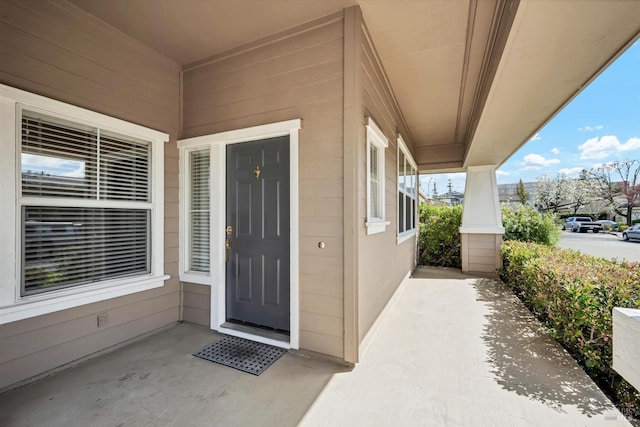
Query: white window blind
<point x="199" y="214"/>
<point x="374" y="183"/>
<point x="65" y="159"/>
<point x="71" y="242"/>
<point x="65" y="246"/>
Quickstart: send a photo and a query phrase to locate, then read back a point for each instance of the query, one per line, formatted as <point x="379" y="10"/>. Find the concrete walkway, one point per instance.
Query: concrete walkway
<point x="450" y="350"/>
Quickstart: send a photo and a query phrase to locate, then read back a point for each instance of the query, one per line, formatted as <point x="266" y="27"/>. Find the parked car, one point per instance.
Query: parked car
<point x="608" y="225"/>
<point x="632" y="232"/>
<point x="581" y="224"/>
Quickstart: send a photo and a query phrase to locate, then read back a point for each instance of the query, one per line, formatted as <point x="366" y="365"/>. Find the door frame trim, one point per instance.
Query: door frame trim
<point x="217" y="143"/>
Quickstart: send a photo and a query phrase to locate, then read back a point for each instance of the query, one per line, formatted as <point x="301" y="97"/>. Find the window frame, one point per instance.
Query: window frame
<point x="187" y="275"/>
<point x="376" y="139"/>
<point x="13" y="305"/>
<point x="407" y="233"/>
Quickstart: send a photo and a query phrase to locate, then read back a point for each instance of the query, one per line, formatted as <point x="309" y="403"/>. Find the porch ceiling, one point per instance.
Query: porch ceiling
<point x="464" y="101"/>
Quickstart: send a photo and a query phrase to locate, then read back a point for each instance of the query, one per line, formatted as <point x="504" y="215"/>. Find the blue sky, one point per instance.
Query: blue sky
<point x="602" y="124"/>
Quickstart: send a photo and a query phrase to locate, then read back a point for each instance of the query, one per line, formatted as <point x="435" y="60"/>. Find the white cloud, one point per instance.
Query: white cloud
<point x="536" y="137"/>
<point x="502" y="173"/>
<point x="76" y="173"/>
<point x="591" y="128"/>
<point x="571" y="171"/>
<point x="555" y="150"/>
<point x="56" y="166"/>
<point x="600" y="148"/>
<point x="537" y="162"/>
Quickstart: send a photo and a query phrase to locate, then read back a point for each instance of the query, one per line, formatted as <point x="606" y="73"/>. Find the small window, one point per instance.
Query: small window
<point x="376" y="144"/>
<point x="199" y="215"/>
<point x="407" y="192"/>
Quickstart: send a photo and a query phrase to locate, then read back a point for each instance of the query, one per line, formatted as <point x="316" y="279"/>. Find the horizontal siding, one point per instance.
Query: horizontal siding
<point x="322" y="343"/>
<point x="196" y="302"/>
<point x="49" y="336"/>
<point x="482" y="252"/>
<point x="56" y="50"/>
<point x="298" y="75"/>
<point x="382" y="262"/>
<point x="53" y="357"/>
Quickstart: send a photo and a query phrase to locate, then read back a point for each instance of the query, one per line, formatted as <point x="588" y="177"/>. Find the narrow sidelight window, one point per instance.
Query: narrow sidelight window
<point x="199" y="215"/>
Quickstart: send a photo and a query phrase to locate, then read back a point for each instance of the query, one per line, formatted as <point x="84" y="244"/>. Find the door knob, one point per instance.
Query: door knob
<point x="227" y="243"/>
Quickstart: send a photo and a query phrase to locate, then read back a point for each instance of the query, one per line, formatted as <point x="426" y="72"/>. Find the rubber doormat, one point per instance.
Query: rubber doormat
<point x="244" y="355"/>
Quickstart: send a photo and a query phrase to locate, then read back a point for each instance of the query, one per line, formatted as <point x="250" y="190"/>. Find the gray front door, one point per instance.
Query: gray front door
<point x="257" y="274"/>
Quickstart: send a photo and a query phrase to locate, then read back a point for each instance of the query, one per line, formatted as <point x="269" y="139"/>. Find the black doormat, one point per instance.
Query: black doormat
<point x="244" y="355"/>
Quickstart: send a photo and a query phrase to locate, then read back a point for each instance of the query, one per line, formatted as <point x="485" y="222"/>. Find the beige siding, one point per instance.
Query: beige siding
<point x="382" y="262"/>
<point x="56" y="50"/>
<point x="293" y="75"/>
<point x="196" y="304"/>
<point x="481" y="252"/>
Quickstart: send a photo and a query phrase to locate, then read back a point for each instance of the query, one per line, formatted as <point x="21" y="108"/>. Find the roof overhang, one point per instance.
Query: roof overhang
<point x="554" y="50"/>
<point x="474" y="79"/>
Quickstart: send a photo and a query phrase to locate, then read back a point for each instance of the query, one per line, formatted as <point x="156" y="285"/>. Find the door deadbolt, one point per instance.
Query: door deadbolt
<point x="229" y="230"/>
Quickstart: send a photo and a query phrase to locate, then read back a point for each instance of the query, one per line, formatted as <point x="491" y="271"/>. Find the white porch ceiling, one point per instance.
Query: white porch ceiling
<point x="441" y="56"/>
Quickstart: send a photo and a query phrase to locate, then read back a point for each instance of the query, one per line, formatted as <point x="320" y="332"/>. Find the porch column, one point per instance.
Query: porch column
<point x="481" y="231"/>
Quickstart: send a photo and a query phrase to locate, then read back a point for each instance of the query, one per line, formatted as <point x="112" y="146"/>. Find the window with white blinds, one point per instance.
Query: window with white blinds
<point x="199" y="215"/>
<point x="85" y="206"/>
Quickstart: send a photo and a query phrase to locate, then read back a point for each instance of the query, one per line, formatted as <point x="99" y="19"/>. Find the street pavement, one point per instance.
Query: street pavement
<point x="604" y="245"/>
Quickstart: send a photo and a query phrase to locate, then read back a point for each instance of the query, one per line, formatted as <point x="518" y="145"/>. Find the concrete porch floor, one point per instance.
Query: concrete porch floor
<point x="449" y="350"/>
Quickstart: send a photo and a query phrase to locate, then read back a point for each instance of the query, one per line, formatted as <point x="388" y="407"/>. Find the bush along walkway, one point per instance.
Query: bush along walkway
<point x="574" y="295"/>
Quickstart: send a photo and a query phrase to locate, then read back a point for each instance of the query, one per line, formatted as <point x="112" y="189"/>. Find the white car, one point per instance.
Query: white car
<point x="631" y="233"/>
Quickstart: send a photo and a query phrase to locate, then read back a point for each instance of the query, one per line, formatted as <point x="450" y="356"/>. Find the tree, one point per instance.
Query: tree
<point x="619" y="184"/>
<point x="523" y="194"/>
<point x="550" y="194"/>
<point x="580" y="193"/>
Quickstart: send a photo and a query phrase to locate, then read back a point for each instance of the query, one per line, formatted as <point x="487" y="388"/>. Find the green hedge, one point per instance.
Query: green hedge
<point x="574" y="295"/>
<point x="526" y="224"/>
<point x="439" y="242"/>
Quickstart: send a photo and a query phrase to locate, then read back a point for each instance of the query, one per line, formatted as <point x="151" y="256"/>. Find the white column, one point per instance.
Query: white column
<point x="481" y="231"/>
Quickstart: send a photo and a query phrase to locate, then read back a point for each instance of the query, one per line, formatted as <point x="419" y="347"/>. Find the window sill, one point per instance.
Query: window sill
<point x="406" y="236"/>
<point x="375" y="227"/>
<point x="195" y="277"/>
<point x="37" y="305"/>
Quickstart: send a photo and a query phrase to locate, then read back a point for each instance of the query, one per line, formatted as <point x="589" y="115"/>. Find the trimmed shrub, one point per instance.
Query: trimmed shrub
<point x="574" y="295"/>
<point x="526" y="224"/>
<point x="439" y="242"/>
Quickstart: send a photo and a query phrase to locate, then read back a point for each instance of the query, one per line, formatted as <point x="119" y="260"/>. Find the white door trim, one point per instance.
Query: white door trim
<point x="217" y="144"/>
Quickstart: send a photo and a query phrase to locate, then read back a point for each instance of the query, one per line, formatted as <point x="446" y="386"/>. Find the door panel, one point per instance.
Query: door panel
<point x="257" y="278"/>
